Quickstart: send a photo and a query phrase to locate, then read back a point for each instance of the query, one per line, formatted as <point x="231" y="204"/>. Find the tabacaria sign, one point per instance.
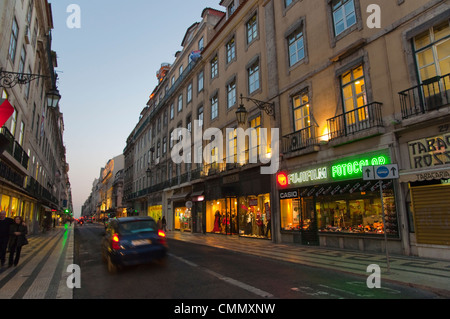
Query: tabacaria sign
<point x="344" y="169"/>
<point x="430" y="152"/>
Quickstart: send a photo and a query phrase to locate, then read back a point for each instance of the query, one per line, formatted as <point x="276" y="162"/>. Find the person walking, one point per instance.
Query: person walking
<point x="17" y="240"/>
<point x="5" y="223"/>
<point x="164" y="223"/>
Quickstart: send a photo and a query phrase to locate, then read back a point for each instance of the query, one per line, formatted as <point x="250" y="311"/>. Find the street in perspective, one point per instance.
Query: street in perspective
<point x="289" y="150"/>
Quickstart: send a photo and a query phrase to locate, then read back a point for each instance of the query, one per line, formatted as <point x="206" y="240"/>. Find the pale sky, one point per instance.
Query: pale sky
<point x="107" y="71"/>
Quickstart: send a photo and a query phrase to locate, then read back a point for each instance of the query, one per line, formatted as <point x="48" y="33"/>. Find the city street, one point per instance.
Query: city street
<point x="201" y="272"/>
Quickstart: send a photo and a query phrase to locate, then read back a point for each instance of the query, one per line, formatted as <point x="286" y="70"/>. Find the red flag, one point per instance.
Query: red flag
<point x="6" y="110"/>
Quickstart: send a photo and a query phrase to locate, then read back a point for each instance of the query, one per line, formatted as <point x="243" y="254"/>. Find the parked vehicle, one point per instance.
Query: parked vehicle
<point x="131" y="241"/>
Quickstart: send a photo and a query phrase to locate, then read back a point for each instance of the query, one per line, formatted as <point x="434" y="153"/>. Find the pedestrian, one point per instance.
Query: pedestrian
<point x="5" y="223"/>
<point x="164" y="223"/>
<point x="17" y="239"/>
<point x="159" y="224"/>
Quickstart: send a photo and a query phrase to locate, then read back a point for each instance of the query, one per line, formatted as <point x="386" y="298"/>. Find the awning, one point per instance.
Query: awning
<point x="199" y="193"/>
<point x="418" y="175"/>
<point x="180" y="196"/>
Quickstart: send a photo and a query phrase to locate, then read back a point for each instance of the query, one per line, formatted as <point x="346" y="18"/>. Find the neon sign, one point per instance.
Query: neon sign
<point x="353" y="168"/>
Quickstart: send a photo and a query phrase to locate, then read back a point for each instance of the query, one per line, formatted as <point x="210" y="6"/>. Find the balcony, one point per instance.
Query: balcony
<point x="358" y="123"/>
<point x="14" y="148"/>
<point x="432" y="94"/>
<point x="300" y="140"/>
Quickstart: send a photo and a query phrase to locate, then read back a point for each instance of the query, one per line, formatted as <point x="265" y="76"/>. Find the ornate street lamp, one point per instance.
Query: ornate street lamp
<point x="242" y="114"/>
<point x="53" y="98"/>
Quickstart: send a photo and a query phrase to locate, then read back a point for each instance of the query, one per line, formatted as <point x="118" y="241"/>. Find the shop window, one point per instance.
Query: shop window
<point x="183" y="220"/>
<point x="5" y="203"/>
<point x="359" y="213"/>
<point x="247" y="216"/>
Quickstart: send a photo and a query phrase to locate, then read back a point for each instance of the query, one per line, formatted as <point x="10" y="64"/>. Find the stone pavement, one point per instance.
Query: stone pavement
<point x="41" y="272"/>
<point x="433" y="275"/>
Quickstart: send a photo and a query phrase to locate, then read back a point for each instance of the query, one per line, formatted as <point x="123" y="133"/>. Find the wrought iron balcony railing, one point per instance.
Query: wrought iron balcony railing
<point x="430" y="95"/>
<point x="14" y="148"/>
<point x="355" y="121"/>
<point x="300" y="140"/>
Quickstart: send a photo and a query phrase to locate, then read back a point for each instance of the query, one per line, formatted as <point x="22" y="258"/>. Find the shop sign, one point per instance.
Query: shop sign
<point x="353" y="168"/>
<point x="288" y="195"/>
<point x="308" y="176"/>
<point x="430" y="152"/>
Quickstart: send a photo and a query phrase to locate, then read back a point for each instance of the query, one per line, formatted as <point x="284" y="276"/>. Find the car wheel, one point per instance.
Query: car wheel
<point x="112" y="268"/>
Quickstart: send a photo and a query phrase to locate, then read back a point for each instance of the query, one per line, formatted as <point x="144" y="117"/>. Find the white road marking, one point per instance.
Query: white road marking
<point x="229" y="280"/>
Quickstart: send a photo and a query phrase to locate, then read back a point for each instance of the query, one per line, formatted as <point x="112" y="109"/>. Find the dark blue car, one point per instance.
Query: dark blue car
<point x="131" y="241"/>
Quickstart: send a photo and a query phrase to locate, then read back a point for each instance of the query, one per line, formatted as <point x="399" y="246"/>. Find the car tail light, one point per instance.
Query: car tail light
<point x="115" y="242"/>
<point x="161" y="233"/>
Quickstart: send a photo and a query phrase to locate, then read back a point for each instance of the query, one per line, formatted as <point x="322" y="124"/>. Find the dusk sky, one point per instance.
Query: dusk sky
<point x="107" y="70"/>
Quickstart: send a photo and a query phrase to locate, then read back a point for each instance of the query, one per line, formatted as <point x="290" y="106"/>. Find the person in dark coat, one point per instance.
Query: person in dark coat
<point x="5" y="223"/>
<point x="17" y="239"/>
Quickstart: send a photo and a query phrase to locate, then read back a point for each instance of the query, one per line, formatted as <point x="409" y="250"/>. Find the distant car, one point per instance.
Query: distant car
<point x="132" y="241"/>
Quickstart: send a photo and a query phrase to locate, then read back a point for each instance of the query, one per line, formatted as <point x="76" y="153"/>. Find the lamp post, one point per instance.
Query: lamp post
<point x="242" y="113"/>
<point x="11" y="79"/>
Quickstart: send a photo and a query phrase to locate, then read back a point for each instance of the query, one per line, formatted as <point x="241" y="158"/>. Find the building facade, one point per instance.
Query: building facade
<point x="347" y="85"/>
<point x="34" y="180"/>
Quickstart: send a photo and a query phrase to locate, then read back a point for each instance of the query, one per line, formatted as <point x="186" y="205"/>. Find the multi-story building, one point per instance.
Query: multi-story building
<point x="346" y="84"/>
<point x="34" y="179"/>
<point x="361" y="96"/>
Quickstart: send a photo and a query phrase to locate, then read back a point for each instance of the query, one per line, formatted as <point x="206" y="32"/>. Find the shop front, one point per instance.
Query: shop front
<point x="331" y="204"/>
<point x="182" y="210"/>
<point x="239" y="205"/>
<point x="427" y="188"/>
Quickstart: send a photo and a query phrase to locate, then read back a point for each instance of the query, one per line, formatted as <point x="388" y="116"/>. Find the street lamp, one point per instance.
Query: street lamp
<point x="11" y="79"/>
<point x="242" y="114"/>
<point x="53" y="98"/>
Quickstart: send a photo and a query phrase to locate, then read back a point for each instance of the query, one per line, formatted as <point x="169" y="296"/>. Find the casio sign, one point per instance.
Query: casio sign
<point x="286" y="195"/>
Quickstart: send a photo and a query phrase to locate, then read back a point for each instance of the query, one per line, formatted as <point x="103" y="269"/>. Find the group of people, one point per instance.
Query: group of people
<point x="12" y="238"/>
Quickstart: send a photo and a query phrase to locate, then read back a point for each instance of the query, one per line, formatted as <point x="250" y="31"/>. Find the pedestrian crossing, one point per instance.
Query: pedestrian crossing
<point x="41" y="268"/>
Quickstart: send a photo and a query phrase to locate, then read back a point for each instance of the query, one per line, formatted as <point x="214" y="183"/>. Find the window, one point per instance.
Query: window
<point x="200" y="116"/>
<point x="14" y="122"/>
<point x="200" y="81"/>
<point x="13" y="40"/>
<point x="232" y="147"/>
<point x="231" y="50"/>
<point x="21" y="133"/>
<point x="231" y="8"/>
<point x="172" y="111"/>
<point x="296" y="47"/>
<point x="164" y="145"/>
<point x="253" y="77"/>
<point x="214" y="67"/>
<point x="180" y="70"/>
<point x="254" y="138"/>
<point x="189" y="123"/>
<point x="302" y="117"/>
<point x="252" y="29"/>
<point x="287" y="3"/>
<point x="189" y="93"/>
<point x="171" y="139"/>
<point x="344" y="15"/>
<point x="214" y="107"/>
<point x="200" y="44"/>
<point x="23" y="57"/>
<point x="165" y="120"/>
<point x="432" y="51"/>
<point x="180" y="102"/>
<point x="354" y="94"/>
<point x="231" y="94"/>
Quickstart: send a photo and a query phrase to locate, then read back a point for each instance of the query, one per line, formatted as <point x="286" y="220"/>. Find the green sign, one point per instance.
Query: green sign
<point x="351" y="168"/>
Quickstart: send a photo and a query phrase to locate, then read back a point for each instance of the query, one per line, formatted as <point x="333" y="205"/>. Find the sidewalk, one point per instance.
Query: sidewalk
<point x="433" y="275"/>
<point x="41" y="273"/>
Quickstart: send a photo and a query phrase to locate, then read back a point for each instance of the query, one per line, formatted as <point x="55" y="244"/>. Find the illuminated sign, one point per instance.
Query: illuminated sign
<point x="282" y="179"/>
<point x="307" y="176"/>
<point x="352" y="168"/>
<point x="344" y="169"/>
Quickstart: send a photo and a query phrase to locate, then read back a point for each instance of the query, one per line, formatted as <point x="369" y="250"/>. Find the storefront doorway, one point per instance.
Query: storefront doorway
<point x="223" y="214"/>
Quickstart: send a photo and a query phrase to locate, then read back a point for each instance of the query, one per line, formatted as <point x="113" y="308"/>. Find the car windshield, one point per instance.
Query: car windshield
<point x="136" y="227"/>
